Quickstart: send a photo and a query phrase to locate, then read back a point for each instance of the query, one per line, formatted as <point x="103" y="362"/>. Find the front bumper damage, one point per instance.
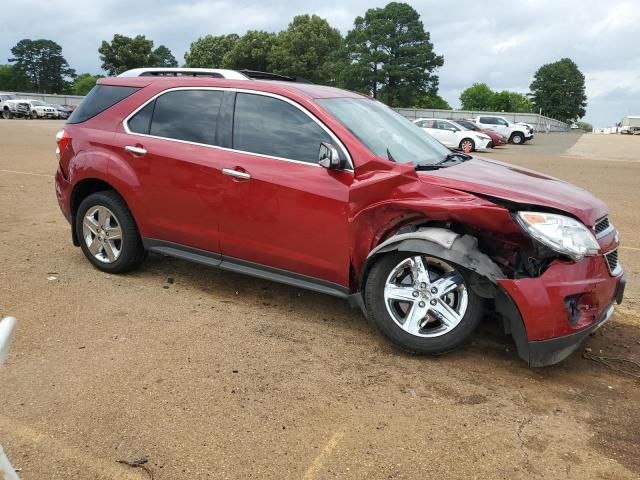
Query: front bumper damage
<point x="549" y="316"/>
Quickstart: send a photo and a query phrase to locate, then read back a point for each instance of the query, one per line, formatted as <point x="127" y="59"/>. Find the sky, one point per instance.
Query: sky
<point x="499" y="42"/>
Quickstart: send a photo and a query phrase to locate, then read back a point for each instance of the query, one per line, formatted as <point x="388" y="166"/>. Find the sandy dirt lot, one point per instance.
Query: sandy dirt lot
<point x="217" y="375"/>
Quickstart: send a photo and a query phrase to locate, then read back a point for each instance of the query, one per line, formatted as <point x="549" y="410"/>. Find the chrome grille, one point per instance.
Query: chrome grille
<point x="612" y="261"/>
<point x="601" y="224"/>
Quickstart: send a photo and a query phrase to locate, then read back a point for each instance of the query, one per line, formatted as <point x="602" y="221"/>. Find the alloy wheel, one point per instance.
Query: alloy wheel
<point x="102" y="234"/>
<point x="426" y="296"/>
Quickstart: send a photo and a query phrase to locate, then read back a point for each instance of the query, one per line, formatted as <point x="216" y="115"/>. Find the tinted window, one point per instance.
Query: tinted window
<point x="273" y="127"/>
<point x="500" y="121"/>
<point x="469" y="125"/>
<point x="98" y="100"/>
<point x="488" y="120"/>
<point x="141" y="121"/>
<point x="190" y="115"/>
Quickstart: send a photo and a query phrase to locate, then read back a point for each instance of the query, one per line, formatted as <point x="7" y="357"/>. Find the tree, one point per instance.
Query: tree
<point x="558" y="89"/>
<point x="434" y="101"/>
<point x="477" y="97"/>
<point x="13" y="80"/>
<point x="162" y="57"/>
<point x="506" y="101"/>
<point x="391" y="55"/>
<point x="41" y="61"/>
<point x="251" y="51"/>
<point x="124" y="53"/>
<point x="84" y="82"/>
<point x="308" y="48"/>
<point x="587" y="127"/>
<point x="209" y="51"/>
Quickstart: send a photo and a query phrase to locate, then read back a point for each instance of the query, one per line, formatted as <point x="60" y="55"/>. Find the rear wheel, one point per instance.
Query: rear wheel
<point x="108" y="234"/>
<point x="467" y="145"/>
<point x="421" y="303"/>
<point x="517" y="138"/>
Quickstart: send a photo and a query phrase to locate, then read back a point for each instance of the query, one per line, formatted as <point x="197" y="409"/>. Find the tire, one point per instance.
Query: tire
<point x="105" y="212"/>
<point x="467" y="143"/>
<point x="33" y="115"/>
<point x="432" y="337"/>
<point x="6" y="114"/>
<point x="517" y="138"/>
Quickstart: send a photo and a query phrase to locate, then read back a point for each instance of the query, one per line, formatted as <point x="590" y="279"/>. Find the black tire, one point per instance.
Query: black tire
<point x="6" y="114"/>
<point x="379" y="316"/>
<point x="517" y="138"/>
<point x="467" y="140"/>
<point x="132" y="251"/>
<point x="33" y="115"/>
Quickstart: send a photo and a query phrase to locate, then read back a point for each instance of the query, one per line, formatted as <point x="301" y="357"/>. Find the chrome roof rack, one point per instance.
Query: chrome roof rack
<point x="185" y="72"/>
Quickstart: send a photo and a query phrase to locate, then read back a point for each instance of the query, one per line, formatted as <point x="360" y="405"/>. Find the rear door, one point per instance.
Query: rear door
<point x="170" y="144"/>
<point x="447" y="133"/>
<point x="281" y="210"/>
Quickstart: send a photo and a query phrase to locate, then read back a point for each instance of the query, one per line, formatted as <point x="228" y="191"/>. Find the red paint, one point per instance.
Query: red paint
<point x="308" y="220"/>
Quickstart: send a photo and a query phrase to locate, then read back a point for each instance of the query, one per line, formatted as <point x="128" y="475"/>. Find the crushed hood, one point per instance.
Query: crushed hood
<point x="520" y="185"/>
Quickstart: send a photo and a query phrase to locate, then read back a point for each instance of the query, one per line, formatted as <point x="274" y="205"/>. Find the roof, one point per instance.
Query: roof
<point x="309" y="90"/>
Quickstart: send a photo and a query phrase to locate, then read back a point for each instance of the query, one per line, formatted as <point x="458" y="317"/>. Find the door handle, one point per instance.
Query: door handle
<point x="135" y="150"/>
<point x="236" y="174"/>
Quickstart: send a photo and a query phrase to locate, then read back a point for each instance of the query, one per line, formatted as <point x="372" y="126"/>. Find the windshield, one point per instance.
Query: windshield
<point x="385" y="132"/>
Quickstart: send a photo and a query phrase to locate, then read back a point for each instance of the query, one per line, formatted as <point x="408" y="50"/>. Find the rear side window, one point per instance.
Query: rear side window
<point x="273" y="127"/>
<point x="98" y="100"/>
<point x="190" y="115"/>
<point x="488" y="120"/>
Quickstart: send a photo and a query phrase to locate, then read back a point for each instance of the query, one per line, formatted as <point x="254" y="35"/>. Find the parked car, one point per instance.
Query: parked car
<point x="528" y="125"/>
<point x="39" y="109"/>
<point x="61" y="111"/>
<point x="497" y="139"/>
<point x="454" y="135"/>
<point x="11" y="106"/>
<point x="332" y="191"/>
<point x="517" y="134"/>
<point x="70" y="107"/>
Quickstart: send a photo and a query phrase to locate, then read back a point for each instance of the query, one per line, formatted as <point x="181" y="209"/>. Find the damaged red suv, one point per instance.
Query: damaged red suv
<point x="332" y="191"/>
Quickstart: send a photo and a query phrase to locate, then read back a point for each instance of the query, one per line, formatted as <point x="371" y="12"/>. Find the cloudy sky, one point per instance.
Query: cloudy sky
<point x="500" y="42"/>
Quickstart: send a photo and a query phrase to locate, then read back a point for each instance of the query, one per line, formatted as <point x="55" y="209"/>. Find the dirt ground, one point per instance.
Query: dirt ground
<point x="218" y="375"/>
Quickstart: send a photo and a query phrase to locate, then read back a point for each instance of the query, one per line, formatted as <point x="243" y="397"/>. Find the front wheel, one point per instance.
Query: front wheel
<point x="6" y="114"/>
<point x="467" y="145"/>
<point x="34" y="115"/>
<point x="421" y="303"/>
<point x="517" y="138"/>
<point x="108" y="234"/>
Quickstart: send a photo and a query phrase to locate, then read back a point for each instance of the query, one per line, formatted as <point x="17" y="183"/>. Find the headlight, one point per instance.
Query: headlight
<point x="562" y="234"/>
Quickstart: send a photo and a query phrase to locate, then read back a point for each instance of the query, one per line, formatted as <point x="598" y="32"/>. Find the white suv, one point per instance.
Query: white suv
<point x="39" y="109"/>
<point x="454" y="135"/>
<point x="516" y="133"/>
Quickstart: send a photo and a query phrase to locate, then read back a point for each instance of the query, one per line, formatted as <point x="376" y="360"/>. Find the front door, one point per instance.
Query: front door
<point x="280" y="208"/>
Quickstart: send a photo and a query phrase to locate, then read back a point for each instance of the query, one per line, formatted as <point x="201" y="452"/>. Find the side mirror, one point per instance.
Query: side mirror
<point x="328" y="157"/>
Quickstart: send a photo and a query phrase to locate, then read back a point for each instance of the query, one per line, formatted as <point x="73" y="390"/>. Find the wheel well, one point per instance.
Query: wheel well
<point x="81" y="191"/>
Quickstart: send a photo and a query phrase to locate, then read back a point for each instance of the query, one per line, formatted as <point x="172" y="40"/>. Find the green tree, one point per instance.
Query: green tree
<point x="41" y="61"/>
<point x="431" y="101"/>
<point x="209" y="51"/>
<point x="559" y="90"/>
<point x="506" y="101"/>
<point x="587" y="127"/>
<point x="251" y="51"/>
<point x="162" y="57"/>
<point x="308" y="48"/>
<point x="477" y="97"/>
<point x="13" y="80"/>
<point x="124" y="53"/>
<point x="84" y="82"/>
<point x="391" y="56"/>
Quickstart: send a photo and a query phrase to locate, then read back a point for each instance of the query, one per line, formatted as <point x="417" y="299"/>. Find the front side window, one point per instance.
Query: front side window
<point x="270" y="126"/>
<point x="500" y="121"/>
<point x="385" y="132"/>
<point x="190" y="115"/>
<point x="488" y="120"/>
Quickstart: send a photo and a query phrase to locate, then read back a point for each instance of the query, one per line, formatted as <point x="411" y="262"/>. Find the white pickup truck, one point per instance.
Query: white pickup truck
<point x="11" y="106"/>
<point x="516" y="133"/>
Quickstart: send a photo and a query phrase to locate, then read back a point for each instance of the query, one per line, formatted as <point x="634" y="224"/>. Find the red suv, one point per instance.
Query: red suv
<point x="332" y="191"/>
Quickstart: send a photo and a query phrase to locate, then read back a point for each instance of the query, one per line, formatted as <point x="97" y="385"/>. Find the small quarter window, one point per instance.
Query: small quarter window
<point x="141" y="121"/>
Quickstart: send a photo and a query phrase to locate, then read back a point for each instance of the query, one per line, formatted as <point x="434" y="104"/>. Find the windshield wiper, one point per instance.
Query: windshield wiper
<point x="428" y="166"/>
<point x="463" y="157"/>
<point x="390" y="157"/>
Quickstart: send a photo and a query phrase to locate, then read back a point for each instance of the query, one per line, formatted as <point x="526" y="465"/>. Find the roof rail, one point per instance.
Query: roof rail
<point x="257" y="75"/>
<point x="184" y="72"/>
